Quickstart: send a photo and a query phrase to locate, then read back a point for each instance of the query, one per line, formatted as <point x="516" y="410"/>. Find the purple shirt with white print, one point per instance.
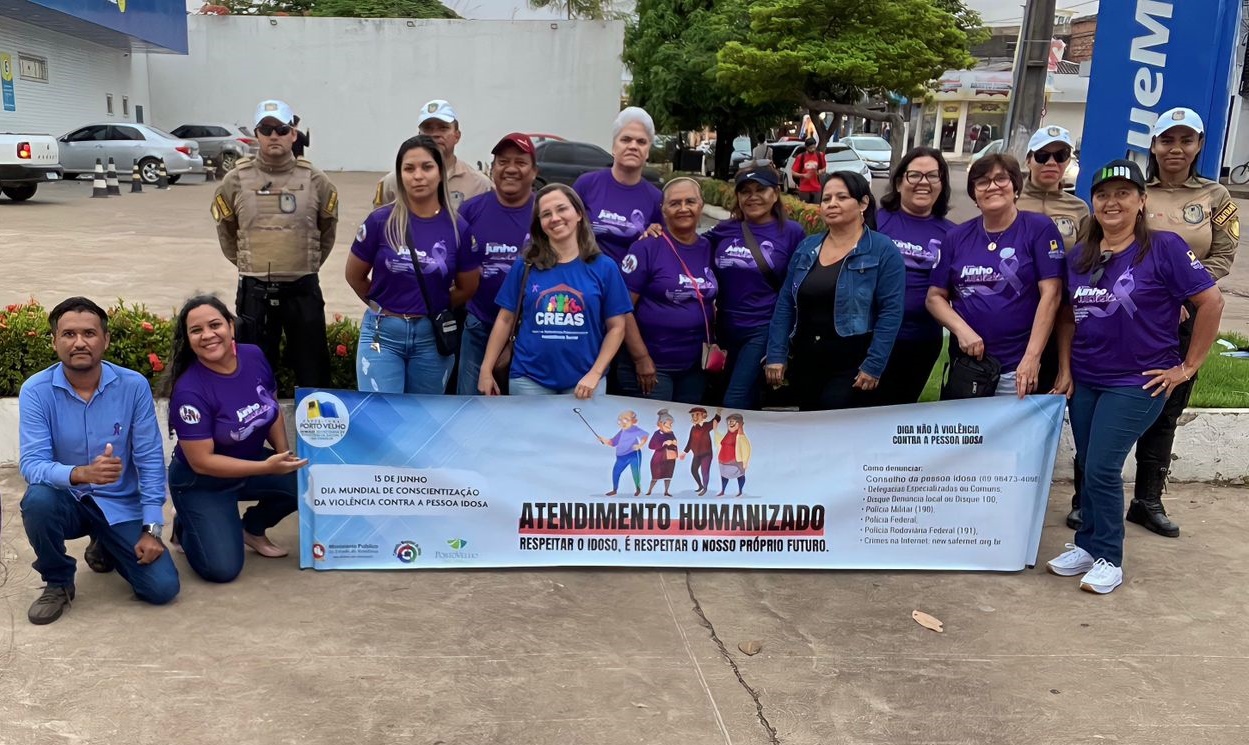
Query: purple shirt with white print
<point x="234" y="411"/>
<point x="433" y="240"/>
<point x="1128" y="321"/>
<point x="618" y="214"/>
<point x="672" y="321"/>
<point x="995" y="291"/>
<point x="500" y="235"/>
<point x="919" y="241"/>
<point x="746" y="298"/>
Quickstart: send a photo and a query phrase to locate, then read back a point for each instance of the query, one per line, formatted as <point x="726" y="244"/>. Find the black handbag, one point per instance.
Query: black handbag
<point x="967" y="377"/>
<point x="447" y="329"/>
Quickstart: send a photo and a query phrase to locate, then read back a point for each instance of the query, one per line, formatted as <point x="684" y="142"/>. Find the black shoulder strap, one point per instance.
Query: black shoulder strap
<point x="420" y="278"/>
<point x="768" y="273"/>
<point x="520" y="301"/>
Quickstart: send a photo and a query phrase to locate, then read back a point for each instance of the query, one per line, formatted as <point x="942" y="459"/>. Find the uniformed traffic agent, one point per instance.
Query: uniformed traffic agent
<point x="276" y="219"/>
<point x="439" y="121"/>
<point x="1049" y="156"/>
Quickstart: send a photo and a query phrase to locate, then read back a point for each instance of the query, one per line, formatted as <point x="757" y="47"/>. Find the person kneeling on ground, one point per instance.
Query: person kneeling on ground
<point x="223" y="407"/>
<point x="91" y="453"/>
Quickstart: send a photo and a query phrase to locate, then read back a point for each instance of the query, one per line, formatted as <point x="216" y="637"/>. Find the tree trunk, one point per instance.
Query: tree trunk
<point x="822" y="133"/>
<point x="893" y="118"/>
<point x="725" y="135"/>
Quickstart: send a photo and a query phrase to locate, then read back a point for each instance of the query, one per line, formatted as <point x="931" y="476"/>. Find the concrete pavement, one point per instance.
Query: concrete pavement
<point x="635" y="657"/>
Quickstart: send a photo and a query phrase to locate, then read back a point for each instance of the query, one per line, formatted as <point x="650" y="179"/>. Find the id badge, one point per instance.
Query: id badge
<point x="286" y="203"/>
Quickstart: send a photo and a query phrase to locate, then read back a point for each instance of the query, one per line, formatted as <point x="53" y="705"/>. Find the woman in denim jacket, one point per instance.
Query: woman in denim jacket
<point x="840" y="307"/>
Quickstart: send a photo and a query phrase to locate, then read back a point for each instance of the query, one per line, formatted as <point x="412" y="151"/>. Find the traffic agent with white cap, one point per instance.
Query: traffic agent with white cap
<point x="439" y="121"/>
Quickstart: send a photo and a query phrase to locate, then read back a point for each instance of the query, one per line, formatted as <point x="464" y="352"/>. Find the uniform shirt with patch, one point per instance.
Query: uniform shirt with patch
<point x="1202" y="213"/>
<point x="747" y="299"/>
<point x="919" y="240"/>
<point x="463" y="183"/>
<point x="1126" y="321"/>
<point x="619" y="214"/>
<point x="440" y="251"/>
<point x="996" y="292"/>
<point x="672" y="320"/>
<point x="1069" y="213"/>
<point x="234" y="411"/>
<point x="500" y="235"/>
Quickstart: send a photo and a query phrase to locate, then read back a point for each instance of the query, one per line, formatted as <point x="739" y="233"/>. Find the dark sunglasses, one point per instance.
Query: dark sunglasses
<point x="281" y="130"/>
<point x="1062" y="156"/>
<point x="1100" y="271"/>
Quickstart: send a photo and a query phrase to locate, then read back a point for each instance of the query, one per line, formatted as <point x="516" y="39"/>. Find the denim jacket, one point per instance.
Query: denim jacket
<point x="870" y="298"/>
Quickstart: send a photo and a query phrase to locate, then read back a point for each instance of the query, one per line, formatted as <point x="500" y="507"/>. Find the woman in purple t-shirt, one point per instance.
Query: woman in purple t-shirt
<point x="223" y="407"/>
<point x="411" y="263"/>
<point x="1120" y="355"/>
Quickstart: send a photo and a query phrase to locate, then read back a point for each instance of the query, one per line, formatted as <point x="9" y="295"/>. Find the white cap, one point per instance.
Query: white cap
<point x="274" y="109"/>
<point x="1179" y="118"/>
<point x="1048" y="136"/>
<point x="437" y="109"/>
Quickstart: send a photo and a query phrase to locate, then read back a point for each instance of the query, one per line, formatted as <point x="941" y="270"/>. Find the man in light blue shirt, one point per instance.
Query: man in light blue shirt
<point x="91" y="454"/>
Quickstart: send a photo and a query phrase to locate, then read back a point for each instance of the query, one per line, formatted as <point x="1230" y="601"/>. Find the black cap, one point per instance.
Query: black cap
<point x="762" y="176"/>
<point x="1119" y="169"/>
<point x="809" y="142"/>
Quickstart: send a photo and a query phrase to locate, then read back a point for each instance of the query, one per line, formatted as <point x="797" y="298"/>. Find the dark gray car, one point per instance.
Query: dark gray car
<point x="224" y="143"/>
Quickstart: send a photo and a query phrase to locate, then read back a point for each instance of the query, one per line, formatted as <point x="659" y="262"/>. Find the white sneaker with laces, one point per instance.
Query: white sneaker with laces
<point x="1074" y="561"/>
<point x="1102" y="578"/>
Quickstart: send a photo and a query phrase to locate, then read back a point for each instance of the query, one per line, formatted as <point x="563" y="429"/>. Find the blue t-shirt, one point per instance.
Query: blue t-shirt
<point x="394" y="283"/>
<point x="919" y="241"/>
<point x="563" y="318"/>
<point x="234" y="411"/>
<point x="499" y="237"/>
<point x="618" y="214"/>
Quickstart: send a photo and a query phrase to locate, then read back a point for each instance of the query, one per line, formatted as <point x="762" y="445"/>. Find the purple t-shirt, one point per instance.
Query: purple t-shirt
<point x="746" y="298"/>
<point x="996" y="291"/>
<point x="1129" y="321"/>
<point x="919" y="241"/>
<point x="626" y="440"/>
<point x="619" y="214"/>
<point x="234" y="411"/>
<point x="394" y="284"/>
<point x="499" y="237"/>
<point x="673" y="323"/>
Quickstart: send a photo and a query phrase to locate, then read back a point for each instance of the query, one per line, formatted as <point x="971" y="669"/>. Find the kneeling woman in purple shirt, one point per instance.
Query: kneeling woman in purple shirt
<point x="673" y="288"/>
<point x="402" y="265"/>
<point x="1120" y="355"/>
<point x="223" y="406"/>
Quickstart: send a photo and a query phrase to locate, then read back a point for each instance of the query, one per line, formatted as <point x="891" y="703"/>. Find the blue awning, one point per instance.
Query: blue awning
<point x="155" y="25"/>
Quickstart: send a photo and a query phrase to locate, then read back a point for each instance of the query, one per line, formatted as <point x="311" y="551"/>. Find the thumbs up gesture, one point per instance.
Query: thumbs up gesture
<point x="104" y="469"/>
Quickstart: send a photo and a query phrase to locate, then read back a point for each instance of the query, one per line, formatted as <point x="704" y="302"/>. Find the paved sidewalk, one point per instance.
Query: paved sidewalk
<point x="593" y="657"/>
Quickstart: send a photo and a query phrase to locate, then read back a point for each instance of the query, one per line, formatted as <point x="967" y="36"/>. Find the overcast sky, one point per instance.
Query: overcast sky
<point x="1009" y="12"/>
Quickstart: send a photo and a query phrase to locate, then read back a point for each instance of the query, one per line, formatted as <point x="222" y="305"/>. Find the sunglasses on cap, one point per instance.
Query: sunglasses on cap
<point x="1043" y="157"/>
<point x="268" y="130"/>
<point x="1100" y="271"/>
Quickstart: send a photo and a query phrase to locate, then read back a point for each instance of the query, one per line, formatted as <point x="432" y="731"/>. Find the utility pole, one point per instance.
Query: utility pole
<point x="1027" y="100"/>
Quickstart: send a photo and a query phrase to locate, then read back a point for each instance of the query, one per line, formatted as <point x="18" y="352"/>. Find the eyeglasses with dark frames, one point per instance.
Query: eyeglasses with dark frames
<point x="915" y="177"/>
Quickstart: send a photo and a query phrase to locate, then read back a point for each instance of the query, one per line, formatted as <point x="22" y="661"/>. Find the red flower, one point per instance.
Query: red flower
<point x="338" y="318"/>
<point x="13" y="308"/>
<point x="147" y="326"/>
<point x="341" y="350"/>
<point x="157" y="365"/>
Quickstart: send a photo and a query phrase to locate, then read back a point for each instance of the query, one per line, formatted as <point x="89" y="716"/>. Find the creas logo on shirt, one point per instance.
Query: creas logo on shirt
<point x="560" y="306"/>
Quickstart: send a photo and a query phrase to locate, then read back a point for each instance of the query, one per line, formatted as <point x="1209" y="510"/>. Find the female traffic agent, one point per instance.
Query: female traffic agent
<point x="223" y="407"/>
<point x="403" y="262"/>
<point x="1122" y="356"/>
<point x="1203" y="214"/>
<point x="566" y="306"/>
<point x="499" y="221"/>
<point x="998" y="283"/>
<point x="620" y="203"/>
<point x="913" y="214"/>
<point x="841" y="306"/>
<point x="752" y="250"/>
<point x="673" y="288"/>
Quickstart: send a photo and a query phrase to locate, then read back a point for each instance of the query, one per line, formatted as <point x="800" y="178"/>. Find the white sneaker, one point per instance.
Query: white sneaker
<point x="1102" y="578"/>
<point x="1075" y="561"/>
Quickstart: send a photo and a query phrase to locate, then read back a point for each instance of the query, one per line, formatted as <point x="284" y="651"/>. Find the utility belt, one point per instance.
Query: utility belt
<point x="273" y="292"/>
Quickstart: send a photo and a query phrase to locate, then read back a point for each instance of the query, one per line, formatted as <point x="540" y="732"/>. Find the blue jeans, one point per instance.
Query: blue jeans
<point x="208" y="523"/>
<point x="1105" y="423"/>
<point x="53" y="515"/>
<point x="745" y="349"/>
<point x="527" y="387"/>
<point x="472" y="351"/>
<point x="406" y="360"/>
<point x="685" y="387"/>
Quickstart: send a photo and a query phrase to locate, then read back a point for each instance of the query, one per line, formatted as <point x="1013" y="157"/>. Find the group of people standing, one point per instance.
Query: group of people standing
<point x="608" y="286"/>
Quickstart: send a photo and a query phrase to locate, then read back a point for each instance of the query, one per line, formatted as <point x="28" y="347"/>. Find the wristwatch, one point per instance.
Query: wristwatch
<point x="153" y="529"/>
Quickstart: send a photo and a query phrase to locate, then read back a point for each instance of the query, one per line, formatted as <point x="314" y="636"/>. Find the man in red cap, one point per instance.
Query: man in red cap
<point x="499" y="221"/>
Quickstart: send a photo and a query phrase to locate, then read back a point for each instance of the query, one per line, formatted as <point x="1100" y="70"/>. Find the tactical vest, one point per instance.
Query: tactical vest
<point x="277" y="214"/>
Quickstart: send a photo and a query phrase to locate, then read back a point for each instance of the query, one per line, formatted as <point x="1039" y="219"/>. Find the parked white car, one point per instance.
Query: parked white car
<point x="875" y="151"/>
<point x="128" y="144"/>
<point x="839" y="158"/>
<point x="27" y="160"/>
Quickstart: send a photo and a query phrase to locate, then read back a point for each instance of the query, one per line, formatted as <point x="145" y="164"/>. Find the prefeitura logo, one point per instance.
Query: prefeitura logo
<point x="321" y="419"/>
<point x="407" y="552"/>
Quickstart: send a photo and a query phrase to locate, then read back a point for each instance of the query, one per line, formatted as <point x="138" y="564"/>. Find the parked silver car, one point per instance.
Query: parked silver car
<point x="875" y="151"/>
<point x="224" y="143"/>
<point x="127" y="144"/>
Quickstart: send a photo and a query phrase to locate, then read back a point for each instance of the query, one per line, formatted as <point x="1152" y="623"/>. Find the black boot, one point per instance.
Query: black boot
<point x="1074" y="520"/>
<point x="1146" y="508"/>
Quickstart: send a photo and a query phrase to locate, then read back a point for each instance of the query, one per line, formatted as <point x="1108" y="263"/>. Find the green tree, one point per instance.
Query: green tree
<point x="671" y="49"/>
<point x="381" y="9"/>
<point x="589" y="10"/>
<point x="826" y="55"/>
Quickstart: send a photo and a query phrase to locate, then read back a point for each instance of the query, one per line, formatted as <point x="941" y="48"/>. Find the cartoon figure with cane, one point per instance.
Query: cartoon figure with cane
<point x="628" y="443"/>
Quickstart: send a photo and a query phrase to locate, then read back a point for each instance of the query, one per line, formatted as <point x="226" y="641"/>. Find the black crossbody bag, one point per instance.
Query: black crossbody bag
<point x="447" y="327"/>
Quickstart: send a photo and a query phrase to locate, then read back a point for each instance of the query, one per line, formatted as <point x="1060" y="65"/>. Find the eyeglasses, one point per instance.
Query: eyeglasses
<point x="914" y="177"/>
<point x="1100" y="271"/>
<point x="1043" y="157"/>
<point x="1000" y="181"/>
<point x="268" y="130"/>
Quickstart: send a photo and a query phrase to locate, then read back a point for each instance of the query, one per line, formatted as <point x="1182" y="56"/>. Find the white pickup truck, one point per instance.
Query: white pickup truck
<point x="26" y="161"/>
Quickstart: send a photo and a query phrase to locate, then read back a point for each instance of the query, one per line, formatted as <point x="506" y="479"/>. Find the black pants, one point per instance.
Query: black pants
<point x="822" y="372"/>
<point x="266" y="310"/>
<point x="1153" y="450"/>
<point x="910" y="366"/>
<point x="1048" y="374"/>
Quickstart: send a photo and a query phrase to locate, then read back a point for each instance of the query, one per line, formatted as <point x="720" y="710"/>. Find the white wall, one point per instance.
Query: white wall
<point x="359" y="84"/>
<point x="79" y="75"/>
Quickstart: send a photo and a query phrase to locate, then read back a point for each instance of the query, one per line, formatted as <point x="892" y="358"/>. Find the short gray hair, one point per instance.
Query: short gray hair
<point x="633" y="115"/>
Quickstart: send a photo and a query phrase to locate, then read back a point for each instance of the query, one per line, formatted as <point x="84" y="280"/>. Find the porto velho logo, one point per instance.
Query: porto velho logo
<point x="407" y="551"/>
<point x="321" y="419"/>
<point x="457" y="544"/>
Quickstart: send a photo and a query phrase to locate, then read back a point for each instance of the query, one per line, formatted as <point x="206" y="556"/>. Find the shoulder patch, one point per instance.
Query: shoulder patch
<point x="362" y="232"/>
<point x="1225" y="215"/>
<point x="221" y="209"/>
<point x="379" y="195"/>
<point x="331" y="204"/>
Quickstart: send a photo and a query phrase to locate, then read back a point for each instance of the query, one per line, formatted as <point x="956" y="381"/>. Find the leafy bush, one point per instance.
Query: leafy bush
<point x="141" y="341"/>
<point x="720" y="194"/>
